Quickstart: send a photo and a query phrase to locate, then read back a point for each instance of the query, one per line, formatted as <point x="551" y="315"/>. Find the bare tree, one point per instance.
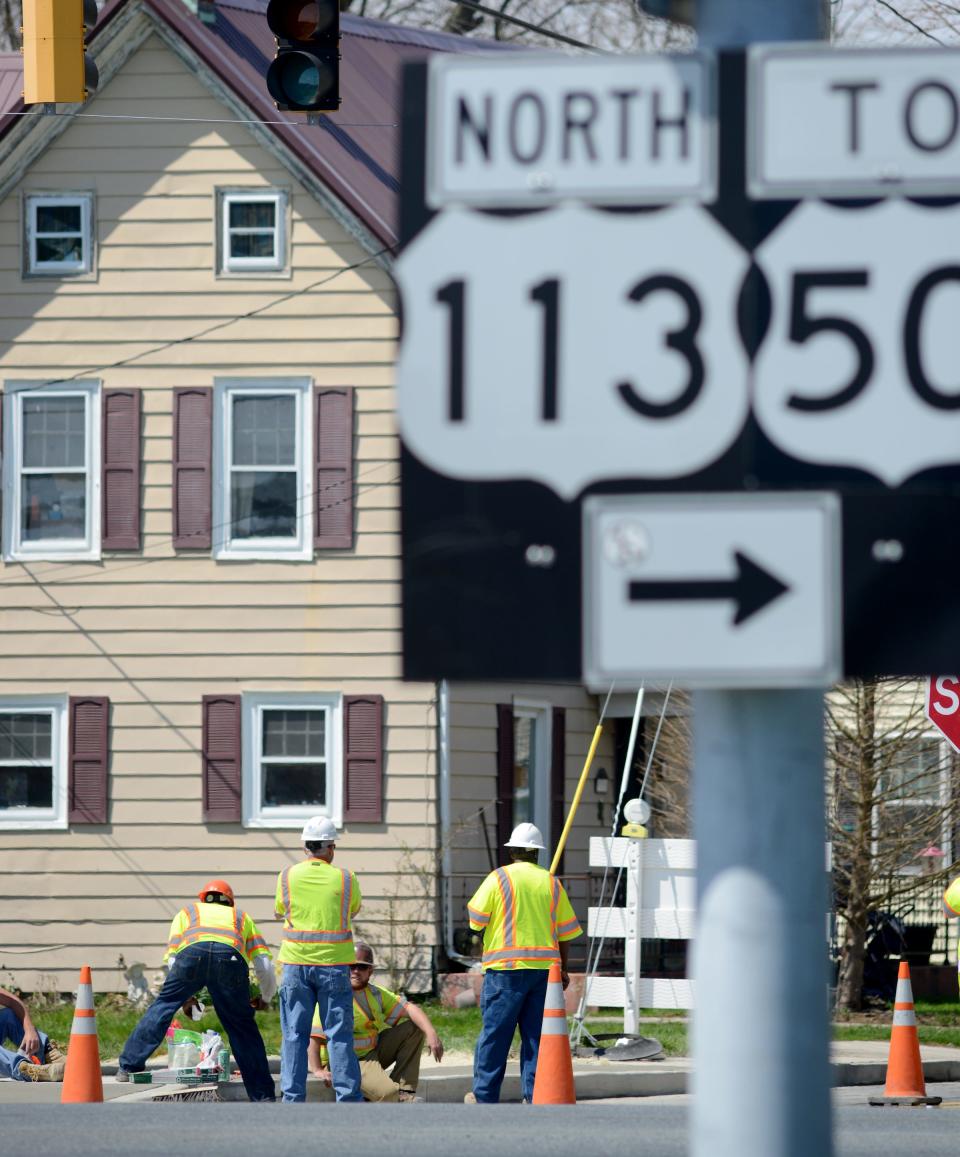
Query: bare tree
<point x="10" y="20"/>
<point x="892" y="793"/>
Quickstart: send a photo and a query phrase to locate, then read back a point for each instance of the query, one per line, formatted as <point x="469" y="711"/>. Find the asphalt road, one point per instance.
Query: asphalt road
<point x="649" y="1125"/>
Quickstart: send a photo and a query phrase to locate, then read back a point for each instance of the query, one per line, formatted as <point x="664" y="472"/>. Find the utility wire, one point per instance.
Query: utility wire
<point x="210" y="329"/>
<point x="539" y="29"/>
<point x="115" y="116"/>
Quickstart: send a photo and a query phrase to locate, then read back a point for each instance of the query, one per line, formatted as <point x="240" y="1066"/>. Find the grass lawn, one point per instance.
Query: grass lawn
<point x="939" y="1024"/>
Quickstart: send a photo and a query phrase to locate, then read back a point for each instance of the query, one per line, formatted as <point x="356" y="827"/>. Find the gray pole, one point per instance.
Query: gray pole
<point x="761" y="1078"/>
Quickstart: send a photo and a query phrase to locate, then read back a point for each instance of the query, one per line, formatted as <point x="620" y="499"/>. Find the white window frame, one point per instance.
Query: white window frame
<point x="299" y="547"/>
<point x="55" y="817"/>
<point x="276" y="264"/>
<point x="254" y="704"/>
<point x="35" y="201"/>
<point x="942" y="801"/>
<point x="542" y="715"/>
<point x="65" y="549"/>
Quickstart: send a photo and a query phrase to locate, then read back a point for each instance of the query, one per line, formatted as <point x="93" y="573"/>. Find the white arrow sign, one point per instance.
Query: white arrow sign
<point x="729" y="590"/>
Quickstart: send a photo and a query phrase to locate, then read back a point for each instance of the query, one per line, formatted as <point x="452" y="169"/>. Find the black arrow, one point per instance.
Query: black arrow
<point x="752" y="589"/>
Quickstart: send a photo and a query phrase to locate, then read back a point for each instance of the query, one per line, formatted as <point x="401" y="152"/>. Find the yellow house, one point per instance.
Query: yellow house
<point x="199" y="587"/>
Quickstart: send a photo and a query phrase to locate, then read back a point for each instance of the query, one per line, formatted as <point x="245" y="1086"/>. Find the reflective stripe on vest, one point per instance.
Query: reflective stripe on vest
<point x="509" y="914"/>
<point x="196" y="932"/>
<point x="341" y="935"/>
<point x="520" y="954"/>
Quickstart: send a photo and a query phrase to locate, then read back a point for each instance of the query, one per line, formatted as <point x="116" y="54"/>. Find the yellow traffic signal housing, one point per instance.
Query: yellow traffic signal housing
<point x="56" y="69"/>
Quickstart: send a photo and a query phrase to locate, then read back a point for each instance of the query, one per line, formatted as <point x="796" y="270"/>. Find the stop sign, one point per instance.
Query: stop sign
<point x="943" y="706"/>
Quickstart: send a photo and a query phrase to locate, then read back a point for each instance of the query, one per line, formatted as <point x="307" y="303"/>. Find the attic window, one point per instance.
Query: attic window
<point x="253" y="232"/>
<point x="59" y="234"/>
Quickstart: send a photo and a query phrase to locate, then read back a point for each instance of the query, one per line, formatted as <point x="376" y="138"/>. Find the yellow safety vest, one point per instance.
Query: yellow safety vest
<point x="219" y="923"/>
<point x="317" y="901"/>
<point x="374" y="1009"/>
<point x="523" y="912"/>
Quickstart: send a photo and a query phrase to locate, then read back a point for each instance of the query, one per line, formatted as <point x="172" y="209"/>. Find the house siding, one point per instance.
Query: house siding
<point x="156" y="630"/>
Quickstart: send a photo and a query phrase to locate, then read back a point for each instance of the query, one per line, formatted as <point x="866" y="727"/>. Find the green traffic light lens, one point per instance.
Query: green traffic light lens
<point x="304" y="79"/>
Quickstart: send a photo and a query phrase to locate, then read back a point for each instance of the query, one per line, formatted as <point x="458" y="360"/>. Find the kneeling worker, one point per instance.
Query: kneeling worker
<point x="212" y="944"/>
<point x="387" y="1031"/>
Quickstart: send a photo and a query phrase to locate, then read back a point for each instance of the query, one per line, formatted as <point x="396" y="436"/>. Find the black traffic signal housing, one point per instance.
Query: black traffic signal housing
<point x="305" y="74"/>
<point x="56" y="68"/>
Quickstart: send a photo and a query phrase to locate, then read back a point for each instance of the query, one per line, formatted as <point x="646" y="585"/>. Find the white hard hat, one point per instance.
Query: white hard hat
<point x="319" y="830"/>
<point x="526" y="836"/>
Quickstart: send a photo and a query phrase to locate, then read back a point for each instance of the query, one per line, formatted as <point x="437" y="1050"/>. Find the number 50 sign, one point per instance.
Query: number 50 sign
<point x="943" y="706"/>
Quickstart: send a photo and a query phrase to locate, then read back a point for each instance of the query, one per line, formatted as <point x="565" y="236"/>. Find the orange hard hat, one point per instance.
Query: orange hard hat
<point x="220" y="886"/>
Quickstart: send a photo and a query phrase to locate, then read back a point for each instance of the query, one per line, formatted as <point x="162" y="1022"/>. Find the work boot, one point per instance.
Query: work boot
<point x="408" y="1096"/>
<point x="470" y="1099"/>
<point x="51" y="1072"/>
<point x="54" y="1052"/>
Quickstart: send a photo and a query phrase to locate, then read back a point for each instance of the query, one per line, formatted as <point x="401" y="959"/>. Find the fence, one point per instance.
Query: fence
<point x="660" y="904"/>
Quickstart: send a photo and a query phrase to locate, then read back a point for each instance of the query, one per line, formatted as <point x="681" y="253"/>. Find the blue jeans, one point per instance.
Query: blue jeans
<point x="12" y="1030"/>
<point x="510" y="999"/>
<point x="225" y="974"/>
<point x="301" y="988"/>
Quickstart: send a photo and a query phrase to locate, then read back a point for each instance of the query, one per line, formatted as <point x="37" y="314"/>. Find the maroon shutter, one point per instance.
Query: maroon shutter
<point x="363" y="758"/>
<point x="333" y="475"/>
<point x="558" y="761"/>
<point x="89" y="755"/>
<point x="506" y="770"/>
<point x="120" y="481"/>
<point x="192" y="459"/>
<point x="221" y="759"/>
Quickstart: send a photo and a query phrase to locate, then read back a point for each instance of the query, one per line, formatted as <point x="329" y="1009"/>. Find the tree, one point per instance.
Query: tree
<point x="893" y="791"/>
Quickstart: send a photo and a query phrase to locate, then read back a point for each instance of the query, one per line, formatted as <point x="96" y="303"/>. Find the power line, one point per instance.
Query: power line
<point x="539" y="29"/>
<point x="104" y="116"/>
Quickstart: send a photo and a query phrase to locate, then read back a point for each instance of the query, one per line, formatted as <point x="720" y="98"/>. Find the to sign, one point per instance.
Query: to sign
<point x="858" y="122"/>
<point x="531" y="130"/>
<point x="943" y="706"/>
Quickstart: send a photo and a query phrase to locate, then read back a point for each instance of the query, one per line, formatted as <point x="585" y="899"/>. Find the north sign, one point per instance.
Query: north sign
<point x="532" y="130"/>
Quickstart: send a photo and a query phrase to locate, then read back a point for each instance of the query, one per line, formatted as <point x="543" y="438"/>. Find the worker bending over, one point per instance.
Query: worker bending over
<point x="526" y="920"/>
<point x="317" y="902"/>
<point x="212" y="945"/>
<point x="388" y="1033"/>
<point x="36" y="1057"/>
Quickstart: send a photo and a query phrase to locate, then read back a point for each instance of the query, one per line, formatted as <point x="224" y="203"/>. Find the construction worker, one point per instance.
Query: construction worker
<point x="317" y="902"/>
<point x="212" y="945"/>
<point x="527" y="922"/>
<point x="36" y="1057"/>
<point x="388" y="1033"/>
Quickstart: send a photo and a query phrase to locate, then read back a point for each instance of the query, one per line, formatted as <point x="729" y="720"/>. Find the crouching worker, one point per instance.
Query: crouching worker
<point x="388" y="1034"/>
<point x="34" y="1057"/>
<point x="212" y="945"/>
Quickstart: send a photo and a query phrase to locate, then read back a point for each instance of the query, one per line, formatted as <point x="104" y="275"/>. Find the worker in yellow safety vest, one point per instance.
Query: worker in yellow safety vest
<point x="317" y="902"/>
<point x="212" y="945"/>
<point x="527" y="921"/>
<point x="389" y="1032"/>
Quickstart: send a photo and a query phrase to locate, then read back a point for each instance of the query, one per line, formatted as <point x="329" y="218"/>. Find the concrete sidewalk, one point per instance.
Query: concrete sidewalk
<point x="854" y="1063"/>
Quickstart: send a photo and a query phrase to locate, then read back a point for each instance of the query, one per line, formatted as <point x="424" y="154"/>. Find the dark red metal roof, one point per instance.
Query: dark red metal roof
<point x="355" y="151"/>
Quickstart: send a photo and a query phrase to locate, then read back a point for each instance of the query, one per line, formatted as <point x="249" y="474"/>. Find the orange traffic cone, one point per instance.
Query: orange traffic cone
<point x="82" y="1081"/>
<point x="905" y="1084"/>
<point x="553" y="1084"/>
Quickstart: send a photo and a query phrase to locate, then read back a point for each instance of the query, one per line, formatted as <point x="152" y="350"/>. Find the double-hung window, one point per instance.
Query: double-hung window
<point x="52" y="471"/>
<point x="33" y="778"/>
<point x="912" y="802"/>
<point x="253" y="231"/>
<point x="262" y="446"/>
<point x="291" y="758"/>
<point x="59" y="234"/>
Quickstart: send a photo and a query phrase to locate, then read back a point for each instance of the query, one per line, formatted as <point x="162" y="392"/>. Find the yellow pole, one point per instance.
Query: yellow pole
<point x="576" y="798"/>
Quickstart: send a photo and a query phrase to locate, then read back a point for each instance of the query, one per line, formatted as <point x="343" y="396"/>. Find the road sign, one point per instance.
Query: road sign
<point x="534" y="129"/>
<point x="729" y="346"/>
<point x="943" y="706"/>
<point x="741" y="590"/>
<point x="862" y="122"/>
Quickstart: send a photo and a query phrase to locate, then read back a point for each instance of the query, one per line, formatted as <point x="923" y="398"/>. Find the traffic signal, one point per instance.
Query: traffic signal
<point x="305" y="74"/>
<point x="56" y="68"/>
